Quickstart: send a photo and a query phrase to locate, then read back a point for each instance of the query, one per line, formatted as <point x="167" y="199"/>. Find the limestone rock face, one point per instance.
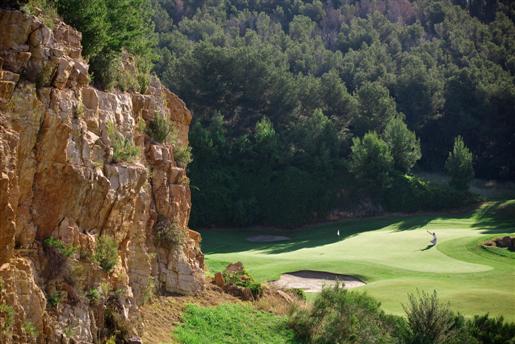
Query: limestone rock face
<point x="58" y="179"/>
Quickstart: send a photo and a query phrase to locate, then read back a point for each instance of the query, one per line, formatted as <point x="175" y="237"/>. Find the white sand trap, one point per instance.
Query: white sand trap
<point x="313" y="281"/>
<point x="267" y="238"/>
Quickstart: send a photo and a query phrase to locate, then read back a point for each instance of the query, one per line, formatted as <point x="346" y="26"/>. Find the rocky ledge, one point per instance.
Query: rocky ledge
<point x="60" y="182"/>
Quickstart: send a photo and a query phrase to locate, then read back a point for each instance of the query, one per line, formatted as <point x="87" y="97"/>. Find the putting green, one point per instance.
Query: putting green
<point x="391" y="255"/>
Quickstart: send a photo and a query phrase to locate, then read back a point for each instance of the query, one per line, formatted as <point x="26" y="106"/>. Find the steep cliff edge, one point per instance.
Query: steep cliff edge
<point x="61" y="190"/>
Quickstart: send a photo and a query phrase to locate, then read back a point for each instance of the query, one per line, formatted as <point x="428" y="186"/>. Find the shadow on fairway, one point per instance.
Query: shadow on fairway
<point x="428" y="247"/>
<point x="235" y="240"/>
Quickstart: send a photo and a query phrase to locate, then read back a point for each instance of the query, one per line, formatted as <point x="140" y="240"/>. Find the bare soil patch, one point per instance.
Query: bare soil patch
<point x="267" y="238"/>
<point x="314" y="281"/>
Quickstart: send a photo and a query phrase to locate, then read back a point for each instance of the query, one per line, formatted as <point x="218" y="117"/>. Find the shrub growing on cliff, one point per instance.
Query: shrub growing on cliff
<point x="30" y="329"/>
<point x="60" y="247"/>
<point x="182" y="155"/>
<point x="109" y="27"/>
<point x="123" y="148"/>
<point x="459" y="165"/>
<point x="169" y="234"/>
<point x="106" y="253"/>
<point x="159" y="128"/>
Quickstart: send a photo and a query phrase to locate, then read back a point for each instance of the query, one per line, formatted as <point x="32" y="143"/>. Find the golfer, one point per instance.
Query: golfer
<point x="434" y="240"/>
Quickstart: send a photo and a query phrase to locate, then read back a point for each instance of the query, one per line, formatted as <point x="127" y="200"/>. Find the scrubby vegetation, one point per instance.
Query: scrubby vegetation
<point x="123" y="147"/>
<point x="60" y="247"/>
<point x="340" y="316"/>
<point x="169" y="234"/>
<point x="243" y="279"/>
<point x="159" y="128"/>
<point x="106" y="253"/>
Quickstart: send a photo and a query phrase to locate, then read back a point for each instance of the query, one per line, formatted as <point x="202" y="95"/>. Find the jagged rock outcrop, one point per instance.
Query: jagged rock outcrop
<point x="58" y="179"/>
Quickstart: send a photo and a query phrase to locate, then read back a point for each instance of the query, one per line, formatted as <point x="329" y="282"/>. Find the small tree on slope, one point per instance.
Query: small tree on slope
<point x="459" y="165"/>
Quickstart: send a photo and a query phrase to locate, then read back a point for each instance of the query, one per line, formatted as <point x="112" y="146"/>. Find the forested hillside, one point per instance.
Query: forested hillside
<point x="282" y="90"/>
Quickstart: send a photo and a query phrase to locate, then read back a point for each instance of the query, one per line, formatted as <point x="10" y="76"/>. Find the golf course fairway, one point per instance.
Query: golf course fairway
<point x="390" y="254"/>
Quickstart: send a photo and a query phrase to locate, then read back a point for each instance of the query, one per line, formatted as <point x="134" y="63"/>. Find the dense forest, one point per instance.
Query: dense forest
<point x="282" y="92"/>
<point x="304" y="107"/>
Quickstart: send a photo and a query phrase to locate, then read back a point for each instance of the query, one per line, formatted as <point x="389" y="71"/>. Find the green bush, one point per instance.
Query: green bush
<point x="123" y="148"/>
<point x="93" y="295"/>
<point x="339" y="316"/>
<point x="489" y="330"/>
<point x="54" y="299"/>
<point x="459" y="165"/>
<point x="429" y="321"/>
<point x="169" y="234"/>
<point x="182" y="155"/>
<point x="159" y="128"/>
<point x="44" y="9"/>
<point x="60" y="247"/>
<point x="106" y="253"/>
<point x="109" y="29"/>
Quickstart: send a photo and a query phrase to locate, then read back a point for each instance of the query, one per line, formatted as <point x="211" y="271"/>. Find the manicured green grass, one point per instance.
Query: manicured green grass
<point x="232" y="323"/>
<point x="388" y="253"/>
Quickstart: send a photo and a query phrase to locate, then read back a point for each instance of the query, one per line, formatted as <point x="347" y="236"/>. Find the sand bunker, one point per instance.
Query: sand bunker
<point x="313" y="281"/>
<point x="267" y="238"/>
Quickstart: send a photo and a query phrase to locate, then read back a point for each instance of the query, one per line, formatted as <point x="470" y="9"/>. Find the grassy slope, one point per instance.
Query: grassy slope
<point x="232" y="323"/>
<point x="388" y="253"/>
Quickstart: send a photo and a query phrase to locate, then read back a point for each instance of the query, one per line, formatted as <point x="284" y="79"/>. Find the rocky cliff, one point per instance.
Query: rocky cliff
<point x="62" y="189"/>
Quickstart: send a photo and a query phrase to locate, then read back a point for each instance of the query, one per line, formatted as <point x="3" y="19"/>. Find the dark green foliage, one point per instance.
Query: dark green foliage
<point x="54" y="299"/>
<point x="404" y="144"/>
<point x="489" y="330"/>
<point x="159" y="128"/>
<point x="339" y="316"/>
<point x="110" y="27"/>
<point x="13" y="4"/>
<point x="371" y="162"/>
<point x="411" y="193"/>
<point x="106" y="253"/>
<point x="459" y="165"/>
<point x="320" y="73"/>
<point x="90" y="18"/>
